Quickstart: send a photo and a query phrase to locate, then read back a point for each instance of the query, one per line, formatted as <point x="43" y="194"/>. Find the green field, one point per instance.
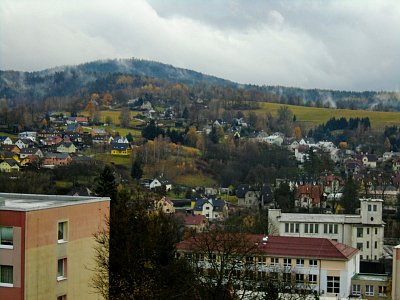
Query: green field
<point x="194" y="180"/>
<point x="312" y="116"/>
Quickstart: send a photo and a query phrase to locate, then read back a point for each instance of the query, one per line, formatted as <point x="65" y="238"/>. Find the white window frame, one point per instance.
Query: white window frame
<point x="6" y="284"/>
<point x="356" y="289"/>
<point x="369" y="290"/>
<point x="287" y="262"/>
<point x="312" y="278"/>
<point x="63" y="225"/>
<point x="62" y="269"/>
<point x="312" y="265"/>
<point x="299" y="262"/>
<point x="6" y="246"/>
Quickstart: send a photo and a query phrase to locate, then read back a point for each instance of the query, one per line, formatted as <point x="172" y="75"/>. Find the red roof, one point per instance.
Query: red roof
<point x="194" y="219"/>
<point x="296" y="247"/>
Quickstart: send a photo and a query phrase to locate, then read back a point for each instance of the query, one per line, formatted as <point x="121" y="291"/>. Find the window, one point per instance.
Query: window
<point x="249" y="259"/>
<point x="300" y="262"/>
<point x="325" y="228"/>
<point x="359" y="232"/>
<point x="376" y="245"/>
<point x="6" y="276"/>
<point x="359" y="246"/>
<point x="62" y="232"/>
<point x="262" y="260"/>
<point x="313" y="279"/>
<point x="356" y="290"/>
<point x="376" y="230"/>
<point x="6" y="237"/>
<point x="367" y="230"/>
<point x="287" y="262"/>
<point x="287" y="277"/>
<point x="367" y="244"/>
<point x="292" y="227"/>
<point x="369" y="290"/>
<point x="62" y="269"/>
<point x="369" y="207"/>
<point x="313" y="263"/>
<point x="305" y="228"/>
<point x="274" y="261"/>
<point x="382" y="291"/>
<point x="333" y="284"/>
<point x="375" y="207"/>
<point x="299" y="278"/>
<point x="213" y="257"/>
<point x="335" y="229"/>
<point x="311" y="228"/>
<point x="63" y="297"/>
<point x="199" y="257"/>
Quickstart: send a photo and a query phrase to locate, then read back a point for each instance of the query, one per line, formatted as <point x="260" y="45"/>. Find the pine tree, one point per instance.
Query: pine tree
<point x="105" y="184"/>
<point x="137" y="171"/>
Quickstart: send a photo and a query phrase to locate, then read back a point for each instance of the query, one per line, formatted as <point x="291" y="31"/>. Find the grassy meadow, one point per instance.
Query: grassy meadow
<point x="311" y="116"/>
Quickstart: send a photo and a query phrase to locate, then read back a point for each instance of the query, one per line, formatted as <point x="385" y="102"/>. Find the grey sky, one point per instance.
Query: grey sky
<point x="352" y="45"/>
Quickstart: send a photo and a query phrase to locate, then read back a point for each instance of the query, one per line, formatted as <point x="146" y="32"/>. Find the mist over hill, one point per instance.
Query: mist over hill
<point x="98" y="76"/>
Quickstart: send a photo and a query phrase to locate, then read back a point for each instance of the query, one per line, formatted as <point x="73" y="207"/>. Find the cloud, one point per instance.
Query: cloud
<point x="329" y="44"/>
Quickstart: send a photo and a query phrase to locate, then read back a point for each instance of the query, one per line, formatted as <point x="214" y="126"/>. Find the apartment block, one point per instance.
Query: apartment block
<point x="320" y="265"/>
<point x="47" y="245"/>
<point x="363" y="231"/>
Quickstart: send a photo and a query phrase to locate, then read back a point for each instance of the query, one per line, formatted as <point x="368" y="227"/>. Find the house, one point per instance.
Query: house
<point x="371" y="286"/>
<point x="30" y="135"/>
<point x="66" y="147"/>
<point x="259" y="197"/>
<point x="275" y="139"/>
<point x="24" y="143"/>
<point x="363" y="231"/>
<point x="396" y="164"/>
<point x="368" y="160"/>
<point x="26" y="152"/>
<point x="56" y="159"/>
<point x="262" y="137"/>
<point x="121" y="149"/>
<point x="308" y="195"/>
<point x="165" y="205"/>
<point x="9" y="165"/>
<point x="98" y="132"/>
<point x="5" y="140"/>
<point x="9" y="155"/>
<point x="52" y="140"/>
<point x="46" y="246"/>
<point x="160" y="181"/>
<point x="74" y="128"/>
<point x="10" y="148"/>
<point x="212" y="209"/>
<point x="78" y="120"/>
<point x="197" y="223"/>
<point x="322" y="266"/>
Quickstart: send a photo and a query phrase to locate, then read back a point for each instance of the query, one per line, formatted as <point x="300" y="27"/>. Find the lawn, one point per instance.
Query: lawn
<point x="194" y="180"/>
<point x="314" y="116"/>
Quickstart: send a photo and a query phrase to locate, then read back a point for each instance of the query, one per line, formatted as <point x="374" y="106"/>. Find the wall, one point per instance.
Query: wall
<point x="15" y="256"/>
<point x="43" y="250"/>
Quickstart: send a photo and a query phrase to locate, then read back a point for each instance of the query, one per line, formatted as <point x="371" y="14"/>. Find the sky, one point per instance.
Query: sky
<point x="345" y="45"/>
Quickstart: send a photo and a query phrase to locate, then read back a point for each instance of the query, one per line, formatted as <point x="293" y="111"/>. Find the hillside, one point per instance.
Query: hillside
<point x="312" y="116"/>
<point x="101" y="76"/>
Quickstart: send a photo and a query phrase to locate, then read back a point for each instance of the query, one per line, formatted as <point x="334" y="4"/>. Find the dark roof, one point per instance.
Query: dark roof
<point x="284" y="246"/>
<point x="241" y="190"/>
<point x="29" y="151"/>
<point x="119" y="146"/>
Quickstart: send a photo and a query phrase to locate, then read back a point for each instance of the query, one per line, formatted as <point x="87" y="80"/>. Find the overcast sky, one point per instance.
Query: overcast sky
<point x="350" y="45"/>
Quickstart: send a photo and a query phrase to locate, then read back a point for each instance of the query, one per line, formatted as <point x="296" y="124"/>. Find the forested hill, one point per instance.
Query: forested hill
<point x="101" y="76"/>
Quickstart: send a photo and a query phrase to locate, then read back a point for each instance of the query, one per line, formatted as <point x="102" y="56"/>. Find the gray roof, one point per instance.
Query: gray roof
<point x="28" y="202"/>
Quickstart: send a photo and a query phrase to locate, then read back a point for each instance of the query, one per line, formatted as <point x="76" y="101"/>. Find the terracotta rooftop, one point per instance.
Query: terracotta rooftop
<point x="296" y="247"/>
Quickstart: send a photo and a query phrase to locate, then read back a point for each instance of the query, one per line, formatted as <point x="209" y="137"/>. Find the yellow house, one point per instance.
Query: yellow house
<point x="66" y="147"/>
<point x="121" y="149"/>
<point x="9" y="165"/>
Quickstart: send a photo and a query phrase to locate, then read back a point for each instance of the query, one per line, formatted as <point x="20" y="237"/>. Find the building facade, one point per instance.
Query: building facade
<point x="47" y="245"/>
<point x="322" y="266"/>
<point x="364" y="231"/>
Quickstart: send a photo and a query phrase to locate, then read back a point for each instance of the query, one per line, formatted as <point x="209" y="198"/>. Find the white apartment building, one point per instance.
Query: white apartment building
<point x="364" y="231"/>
